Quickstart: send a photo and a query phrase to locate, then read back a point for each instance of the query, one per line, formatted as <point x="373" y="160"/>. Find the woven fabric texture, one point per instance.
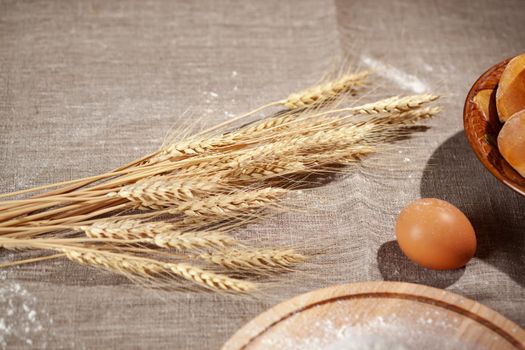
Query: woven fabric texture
<point x="86" y="86"/>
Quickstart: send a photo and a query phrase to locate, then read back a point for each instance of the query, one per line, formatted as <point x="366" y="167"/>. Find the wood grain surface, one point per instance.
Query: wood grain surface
<point x="86" y="86"/>
<point x="422" y="317"/>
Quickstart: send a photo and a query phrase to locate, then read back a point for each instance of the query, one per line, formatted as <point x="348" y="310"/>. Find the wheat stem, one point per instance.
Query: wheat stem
<point x="31" y="260"/>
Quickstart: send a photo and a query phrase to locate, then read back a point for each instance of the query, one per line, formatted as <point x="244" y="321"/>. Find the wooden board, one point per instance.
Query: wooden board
<point x="377" y="315"/>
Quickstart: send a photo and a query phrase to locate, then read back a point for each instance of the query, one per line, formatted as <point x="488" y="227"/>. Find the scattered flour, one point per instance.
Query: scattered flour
<point x="402" y="79"/>
<point x="21" y="322"/>
<point x="211" y="94"/>
<point x="428" y="67"/>
<point x="430" y="331"/>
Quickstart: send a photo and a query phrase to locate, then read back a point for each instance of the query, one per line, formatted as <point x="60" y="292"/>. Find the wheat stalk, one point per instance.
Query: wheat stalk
<point x="150" y="269"/>
<point x="254" y="259"/>
<point x="208" y="185"/>
<point x="200" y="146"/>
<point x="135" y="267"/>
<point x="290" y="154"/>
<point x="162" y="234"/>
<point x="328" y="140"/>
<point x="324" y="92"/>
<point x="412" y="116"/>
<point x="306" y="124"/>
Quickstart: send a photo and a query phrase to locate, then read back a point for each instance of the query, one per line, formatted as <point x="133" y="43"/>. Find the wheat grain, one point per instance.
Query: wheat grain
<point x="324" y="92"/>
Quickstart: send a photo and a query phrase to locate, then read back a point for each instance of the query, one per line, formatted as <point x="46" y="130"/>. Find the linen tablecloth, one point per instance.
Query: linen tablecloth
<point x="86" y="86"/>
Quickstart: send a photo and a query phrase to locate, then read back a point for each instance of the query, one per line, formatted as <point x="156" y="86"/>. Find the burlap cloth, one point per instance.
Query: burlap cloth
<point x="88" y="85"/>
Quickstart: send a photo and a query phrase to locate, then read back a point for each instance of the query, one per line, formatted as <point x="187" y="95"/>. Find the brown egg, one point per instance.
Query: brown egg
<point x="511" y="142"/>
<point x="435" y="234"/>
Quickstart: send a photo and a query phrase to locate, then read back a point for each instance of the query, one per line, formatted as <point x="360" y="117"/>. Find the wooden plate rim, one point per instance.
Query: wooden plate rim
<point x="399" y="290"/>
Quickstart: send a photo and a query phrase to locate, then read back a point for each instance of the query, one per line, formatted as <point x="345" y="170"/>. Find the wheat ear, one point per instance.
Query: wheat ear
<point x="192" y="147"/>
<point x="256" y="170"/>
<point x="231" y="205"/>
<point x="306" y="124"/>
<point x="161" y="234"/>
<point x="253" y="259"/>
<point x="250" y="164"/>
<point x="165" y="191"/>
<point x="343" y="156"/>
<point x="263" y="125"/>
<point x="150" y="269"/>
<point x="412" y="116"/>
<point x="324" y="92"/>
<point x="395" y="104"/>
<point x="194" y="240"/>
<point x="297" y="151"/>
<point x="127" y="229"/>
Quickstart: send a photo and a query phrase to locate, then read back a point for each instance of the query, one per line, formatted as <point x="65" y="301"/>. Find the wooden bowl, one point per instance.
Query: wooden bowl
<point x="376" y="315"/>
<point x="482" y="125"/>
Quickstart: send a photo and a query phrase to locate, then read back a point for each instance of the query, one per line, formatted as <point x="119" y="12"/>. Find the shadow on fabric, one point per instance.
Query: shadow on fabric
<point x="395" y="266"/>
<point x="497" y="213"/>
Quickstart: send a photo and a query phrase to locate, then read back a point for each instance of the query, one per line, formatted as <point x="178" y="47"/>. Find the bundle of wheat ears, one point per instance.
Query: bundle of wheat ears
<point x="170" y="219"/>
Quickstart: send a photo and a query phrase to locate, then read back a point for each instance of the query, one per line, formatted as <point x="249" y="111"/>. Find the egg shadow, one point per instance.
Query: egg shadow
<point x="395" y="266"/>
<point x="453" y="173"/>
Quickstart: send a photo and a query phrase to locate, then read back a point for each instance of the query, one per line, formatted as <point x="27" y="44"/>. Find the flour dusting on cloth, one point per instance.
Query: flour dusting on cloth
<point x="21" y="322"/>
<point x="402" y="79"/>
